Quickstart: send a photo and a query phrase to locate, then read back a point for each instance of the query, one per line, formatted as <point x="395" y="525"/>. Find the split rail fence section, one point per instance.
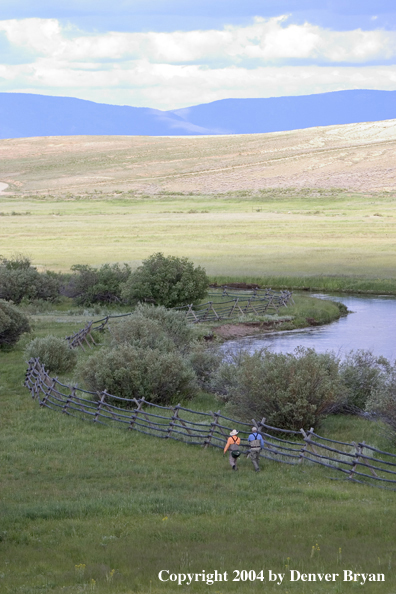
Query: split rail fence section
<point x="256" y="302"/>
<point x="357" y="462"/>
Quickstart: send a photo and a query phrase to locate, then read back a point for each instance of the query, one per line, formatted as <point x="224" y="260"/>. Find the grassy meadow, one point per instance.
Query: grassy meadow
<point x="330" y="239"/>
<point x="91" y="509"/>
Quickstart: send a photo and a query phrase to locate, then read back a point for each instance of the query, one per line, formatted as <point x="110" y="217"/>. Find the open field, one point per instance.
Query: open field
<point x="270" y="233"/>
<point x="359" y="157"/>
<point x="85" y="508"/>
<point x="90" y="509"/>
<point x="320" y="201"/>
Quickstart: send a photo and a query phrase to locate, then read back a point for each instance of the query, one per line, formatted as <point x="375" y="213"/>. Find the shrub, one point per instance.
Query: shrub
<point x="166" y="280"/>
<point x="154" y="326"/>
<point x="131" y="372"/>
<point x="205" y="362"/>
<point x="20" y="280"/>
<point x="12" y="324"/>
<point x="382" y="399"/>
<point x="140" y="332"/>
<point x="54" y="353"/>
<point x="98" y="285"/>
<point x="292" y="391"/>
<point x="362" y="374"/>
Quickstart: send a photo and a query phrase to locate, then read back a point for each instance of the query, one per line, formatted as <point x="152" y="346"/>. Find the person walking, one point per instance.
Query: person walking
<point x="256" y="443"/>
<point x="232" y="445"/>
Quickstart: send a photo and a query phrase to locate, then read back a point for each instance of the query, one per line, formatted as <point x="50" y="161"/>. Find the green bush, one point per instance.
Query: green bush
<point x="382" y="399"/>
<point x="362" y="374"/>
<point x="131" y="372"/>
<point x="155" y="327"/>
<point x="292" y="391"/>
<point x="20" y="280"/>
<point x="54" y="353"/>
<point x="140" y="332"/>
<point x="166" y="280"/>
<point x="98" y="285"/>
<point x="12" y="324"/>
<point x="205" y="362"/>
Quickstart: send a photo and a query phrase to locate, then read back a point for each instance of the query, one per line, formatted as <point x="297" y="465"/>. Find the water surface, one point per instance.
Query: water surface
<point x="371" y="326"/>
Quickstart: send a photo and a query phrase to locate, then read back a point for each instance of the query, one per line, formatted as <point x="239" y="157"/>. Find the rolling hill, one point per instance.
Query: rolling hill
<point x="25" y="115"/>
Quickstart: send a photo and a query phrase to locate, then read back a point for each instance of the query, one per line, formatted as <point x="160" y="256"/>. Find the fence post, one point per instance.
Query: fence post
<point x="100" y="404"/>
<point x="69" y="400"/>
<point x="173" y="418"/>
<point x="359" y="448"/>
<point x="307" y="439"/>
<point x="137" y="410"/>
<point x="47" y="393"/>
<point x="212" y="429"/>
<point x="190" y="310"/>
<point x="89" y="333"/>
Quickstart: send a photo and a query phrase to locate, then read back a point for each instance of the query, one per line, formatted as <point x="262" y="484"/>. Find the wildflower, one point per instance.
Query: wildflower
<point x="80" y="569"/>
<point x="110" y="575"/>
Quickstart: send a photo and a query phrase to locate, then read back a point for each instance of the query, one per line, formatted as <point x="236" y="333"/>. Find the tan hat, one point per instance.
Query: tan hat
<point x="234" y="432"/>
<point x="254" y="429"/>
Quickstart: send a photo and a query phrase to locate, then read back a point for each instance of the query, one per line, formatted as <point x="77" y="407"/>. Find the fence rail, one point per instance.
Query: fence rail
<point x="255" y="301"/>
<point x="358" y="462"/>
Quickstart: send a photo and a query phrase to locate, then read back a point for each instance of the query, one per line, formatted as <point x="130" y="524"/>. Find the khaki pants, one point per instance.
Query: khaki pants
<point x="255" y="458"/>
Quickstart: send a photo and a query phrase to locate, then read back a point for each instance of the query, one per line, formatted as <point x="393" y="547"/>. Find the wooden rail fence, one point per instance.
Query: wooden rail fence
<point x="358" y="462"/>
<point x="255" y="301"/>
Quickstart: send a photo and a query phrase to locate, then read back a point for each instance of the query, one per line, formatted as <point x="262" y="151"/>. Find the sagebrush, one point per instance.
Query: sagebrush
<point x="54" y="353"/>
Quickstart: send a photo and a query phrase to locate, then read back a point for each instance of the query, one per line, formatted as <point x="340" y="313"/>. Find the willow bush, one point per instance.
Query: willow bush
<point x="166" y="280"/>
<point x="292" y="391"/>
<point x="13" y="324"/>
<point x="131" y="372"/>
<point x="54" y="353"/>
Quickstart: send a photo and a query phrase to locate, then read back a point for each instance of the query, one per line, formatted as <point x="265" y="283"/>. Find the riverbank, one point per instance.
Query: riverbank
<point x="305" y="312"/>
<point x="328" y="284"/>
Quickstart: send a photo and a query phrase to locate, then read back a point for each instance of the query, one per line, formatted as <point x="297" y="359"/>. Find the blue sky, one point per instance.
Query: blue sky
<point x="175" y="53"/>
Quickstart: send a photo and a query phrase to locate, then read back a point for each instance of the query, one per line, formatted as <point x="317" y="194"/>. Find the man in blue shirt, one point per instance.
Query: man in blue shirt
<point x="256" y="443"/>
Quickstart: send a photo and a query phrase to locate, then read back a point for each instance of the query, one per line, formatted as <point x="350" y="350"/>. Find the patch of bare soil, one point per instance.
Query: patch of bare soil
<point x="359" y="157"/>
<point x="229" y="331"/>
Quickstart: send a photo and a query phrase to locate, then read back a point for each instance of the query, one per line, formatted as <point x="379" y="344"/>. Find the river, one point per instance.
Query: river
<point x="371" y="326"/>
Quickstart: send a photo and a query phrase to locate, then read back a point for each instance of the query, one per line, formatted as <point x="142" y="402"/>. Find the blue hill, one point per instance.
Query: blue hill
<point x="25" y="115"/>
<point x="276" y="114"/>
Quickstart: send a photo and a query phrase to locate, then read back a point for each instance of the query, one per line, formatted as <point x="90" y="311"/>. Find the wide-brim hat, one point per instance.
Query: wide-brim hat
<point x="234" y="432"/>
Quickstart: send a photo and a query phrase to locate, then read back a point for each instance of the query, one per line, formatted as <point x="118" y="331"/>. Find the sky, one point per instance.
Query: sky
<point x="170" y="54"/>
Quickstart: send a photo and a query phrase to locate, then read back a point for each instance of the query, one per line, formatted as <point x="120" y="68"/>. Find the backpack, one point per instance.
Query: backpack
<point x="255" y="444"/>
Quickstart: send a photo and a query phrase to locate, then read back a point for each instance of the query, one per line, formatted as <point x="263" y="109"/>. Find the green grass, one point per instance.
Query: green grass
<point x="302" y="312"/>
<point x="79" y="501"/>
<point x="332" y="240"/>
<point x="331" y="284"/>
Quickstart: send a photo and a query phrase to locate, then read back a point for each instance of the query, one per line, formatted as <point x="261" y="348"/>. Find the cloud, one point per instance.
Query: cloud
<point x="173" y="70"/>
<point x="265" y="39"/>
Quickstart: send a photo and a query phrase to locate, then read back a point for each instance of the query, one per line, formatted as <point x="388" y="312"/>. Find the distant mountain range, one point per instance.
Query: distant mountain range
<point x="25" y="115"/>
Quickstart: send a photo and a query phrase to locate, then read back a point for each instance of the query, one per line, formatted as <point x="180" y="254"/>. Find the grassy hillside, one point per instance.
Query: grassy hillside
<point x="268" y="234"/>
<point x="92" y="509"/>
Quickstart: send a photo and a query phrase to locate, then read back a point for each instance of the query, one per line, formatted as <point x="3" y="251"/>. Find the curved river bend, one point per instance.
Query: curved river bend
<point x="371" y="326"/>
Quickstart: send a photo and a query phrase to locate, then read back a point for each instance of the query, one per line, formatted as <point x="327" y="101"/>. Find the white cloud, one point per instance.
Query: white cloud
<point x="173" y="70"/>
<point x="167" y="86"/>
<point x="265" y="39"/>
